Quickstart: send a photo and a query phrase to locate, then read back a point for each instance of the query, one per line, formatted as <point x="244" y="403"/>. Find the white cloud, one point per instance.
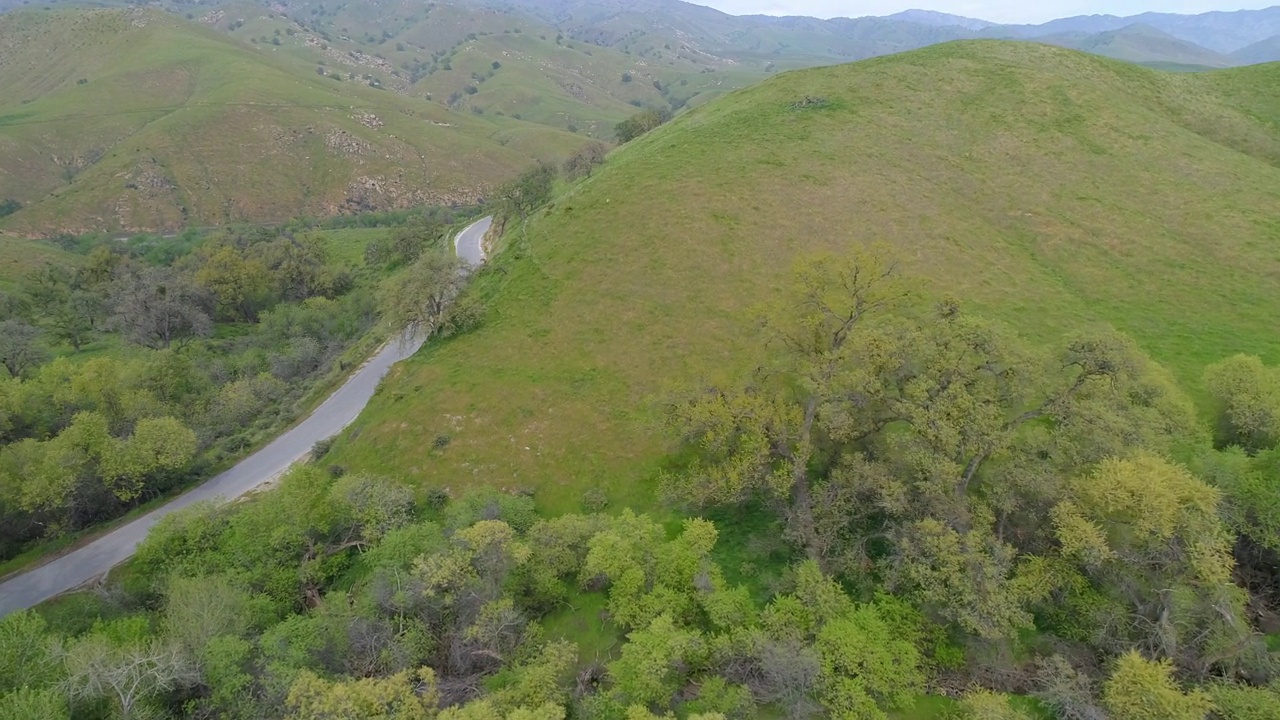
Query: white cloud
<point x="1007" y="11"/>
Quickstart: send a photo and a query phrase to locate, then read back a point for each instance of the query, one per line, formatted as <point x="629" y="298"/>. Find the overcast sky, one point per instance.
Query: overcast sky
<point x="1005" y="11"/>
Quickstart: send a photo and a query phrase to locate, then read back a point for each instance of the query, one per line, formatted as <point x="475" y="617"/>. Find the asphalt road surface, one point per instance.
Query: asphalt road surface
<point x="341" y="408"/>
<point x="468" y="243"/>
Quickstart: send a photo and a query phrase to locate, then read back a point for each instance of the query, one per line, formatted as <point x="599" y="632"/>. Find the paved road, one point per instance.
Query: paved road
<point x="339" y="410"/>
<point x="468" y="243"/>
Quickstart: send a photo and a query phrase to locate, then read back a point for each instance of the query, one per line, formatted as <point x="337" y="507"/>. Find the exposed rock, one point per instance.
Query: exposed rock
<point x="575" y="90"/>
<point x="367" y="119"/>
<point x="344" y="143"/>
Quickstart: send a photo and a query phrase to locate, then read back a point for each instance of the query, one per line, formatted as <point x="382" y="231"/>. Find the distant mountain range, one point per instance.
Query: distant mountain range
<point x="1208" y="40"/>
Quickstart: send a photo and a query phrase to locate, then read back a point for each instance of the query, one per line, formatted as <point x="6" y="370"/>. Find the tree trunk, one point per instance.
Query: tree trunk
<point x="801" y="491"/>
<point x="802" y="517"/>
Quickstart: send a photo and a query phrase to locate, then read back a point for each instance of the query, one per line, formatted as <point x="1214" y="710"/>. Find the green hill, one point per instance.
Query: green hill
<point x="1048" y="188"/>
<point x="20" y="256"/>
<point x="130" y="119"/>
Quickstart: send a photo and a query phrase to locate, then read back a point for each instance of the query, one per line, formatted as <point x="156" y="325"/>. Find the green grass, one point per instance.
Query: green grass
<point x="1047" y="188"/>
<point x="19" y="257"/>
<point x="927" y="707"/>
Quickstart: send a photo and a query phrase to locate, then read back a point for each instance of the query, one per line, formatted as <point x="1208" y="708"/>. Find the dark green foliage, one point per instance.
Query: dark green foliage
<point x="640" y="123"/>
<point x="529" y="191"/>
<point x="9" y="206"/>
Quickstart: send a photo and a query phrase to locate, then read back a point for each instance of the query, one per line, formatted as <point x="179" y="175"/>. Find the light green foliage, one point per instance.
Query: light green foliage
<point x="490" y="504"/>
<point x="1147" y="534"/>
<point x="541" y="681"/>
<point x="1248" y="484"/>
<point x="987" y="705"/>
<point x="636" y="712"/>
<point x="484" y="552"/>
<point x="286" y="545"/>
<point x="182" y="541"/>
<point x="865" y="667"/>
<point x="31" y="704"/>
<point x="48" y="476"/>
<point x="736" y="431"/>
<point x="226" y="669"/>
<point x="238" y="402"/>
<point x="649" y="576"/>
<point x="971" y="579"/>
<point x="718" y="697"/>
<point x="377" y="505"/>
<point x="646" y="671"/>
<point x="485" y="710"/>
<point x="1233" y="701"/>
<point x="559" y="549"/>
<point x="239" y="284"/>
<point x="1140" y="689"/>
<point x="26" y="657"/>
<point x="403" y="696"/>
<point x="157" y="445"/>
<point x="1246" y="402"/>
<point x="400" y="547"/>
<point x="200" y="609"/>
<point x="817" y="645"/>
<point x="935" y="430"/>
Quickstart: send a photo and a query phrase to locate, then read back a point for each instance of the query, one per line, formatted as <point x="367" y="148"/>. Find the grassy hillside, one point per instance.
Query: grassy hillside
<point x="1048" y="188"/>
<point x="20" y="256"/>
<point x="186" y="126"/>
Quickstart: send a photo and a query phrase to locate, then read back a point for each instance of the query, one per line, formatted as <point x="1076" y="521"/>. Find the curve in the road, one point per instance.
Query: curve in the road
<point x="340" y="409"/>
<point x="469" y="245"/>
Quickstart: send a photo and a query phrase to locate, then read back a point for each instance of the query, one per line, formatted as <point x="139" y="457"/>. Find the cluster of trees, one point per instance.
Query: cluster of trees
<point x="162" y="397"/>
<point x="336" y="598"/>
<point x="640" y="123"/>
<point x="1003" y="491"/>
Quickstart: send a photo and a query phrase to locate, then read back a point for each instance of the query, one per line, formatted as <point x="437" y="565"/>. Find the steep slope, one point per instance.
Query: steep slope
<point x="126" y="119"/>
<point x="1048" y="188"/>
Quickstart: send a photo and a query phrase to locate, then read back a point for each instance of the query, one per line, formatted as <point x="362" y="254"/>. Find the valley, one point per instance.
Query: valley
<point x="913" y="367"/>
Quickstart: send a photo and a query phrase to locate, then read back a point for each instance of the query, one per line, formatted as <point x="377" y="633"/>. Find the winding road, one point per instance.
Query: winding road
<point x="469" y="245"/>
<point x="341" y="408"/>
